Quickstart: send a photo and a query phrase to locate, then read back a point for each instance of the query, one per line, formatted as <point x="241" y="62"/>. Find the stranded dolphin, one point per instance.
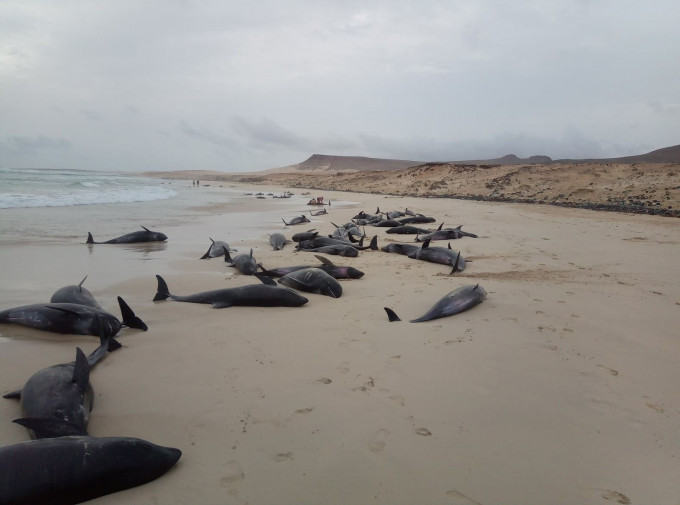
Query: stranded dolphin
<point x="278" y="240"/>
<point x="313" y="280"/>
<point x="131" y="238"/>
<point x="455" y="302"/>
<point x="70" y="470"/>
<point x="244" y="263"/>
<point x="56" y="401"/>
<point x="255" y="295"/>
<point x="71" y="318"/>
<point x="296" y="220"/>
<point x="217" y="248"/>
<point x="337" y="272"/>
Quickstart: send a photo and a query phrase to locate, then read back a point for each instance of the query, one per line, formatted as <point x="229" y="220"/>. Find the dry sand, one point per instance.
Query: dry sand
<point x="561" y="388"/>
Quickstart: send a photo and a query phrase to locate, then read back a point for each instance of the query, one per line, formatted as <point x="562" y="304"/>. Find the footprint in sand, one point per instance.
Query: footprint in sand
<point x="283" y="456"/>
<point x="233" y="477"/>
<point x="459" y="498"/>
<point x="379" y="440"/>
<point x="324" y="380"/>
<point x="615" y="495"/>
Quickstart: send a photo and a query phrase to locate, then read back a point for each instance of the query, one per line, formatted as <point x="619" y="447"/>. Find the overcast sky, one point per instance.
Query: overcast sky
<point x="239" y="86"/>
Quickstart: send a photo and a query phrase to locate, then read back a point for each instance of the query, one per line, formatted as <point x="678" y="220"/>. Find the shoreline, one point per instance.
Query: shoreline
<point x="561" y="386"/>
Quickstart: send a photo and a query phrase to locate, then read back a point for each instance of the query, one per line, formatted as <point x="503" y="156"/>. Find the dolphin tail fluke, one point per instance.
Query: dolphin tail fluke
<point x="455" y="265"/>
<point x="265" y="272"/>
<point x="90" y="239"/>
<point x="352" y="239"/>
<point x="162" y="292"/>
<point x="391" y="315"/>
<point x="284" y="221"/>
<point x="373" y="246"/>
<point x="129" y="318"/>
<point x="106" y="344"/>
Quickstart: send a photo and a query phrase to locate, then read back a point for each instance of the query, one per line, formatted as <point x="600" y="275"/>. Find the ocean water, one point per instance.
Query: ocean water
<point x="29" y="188"/>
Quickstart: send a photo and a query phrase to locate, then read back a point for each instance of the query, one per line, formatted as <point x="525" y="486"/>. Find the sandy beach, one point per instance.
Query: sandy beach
<point x="561" y="388"/>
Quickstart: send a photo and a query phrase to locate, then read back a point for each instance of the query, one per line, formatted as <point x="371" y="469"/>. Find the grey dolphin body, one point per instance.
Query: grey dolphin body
<point x="244" y="263"/>
<point x="319" y="212"/>
<point x="75" y="294"/>
<point x="407" y="229"/>
<point x="455" y="302"/>
<point x="335" y="271"/>
<point x="305" y="235"/>
<point x="71" y="318"/>
<point x="405" y="249"/>
<point x="278" y="240"/>
<point x="255" y="295"/>
<point x="56" y="401"/>
<point x="82" y="296"/>
<point x="217" y="249"/>
<point x="416" y="220"/>
<point x="313" y="280"/>
<point x="445" y="234"/>
<point x="337" y="249"/>
<point x="131" y="238"/>
<point x="441" y="255"/>
<point x="296" y="220"/>
<point x="70" y="470"/>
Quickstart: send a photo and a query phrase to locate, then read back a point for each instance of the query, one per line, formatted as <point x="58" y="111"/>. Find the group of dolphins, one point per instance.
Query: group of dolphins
<point x="63" y="464"/>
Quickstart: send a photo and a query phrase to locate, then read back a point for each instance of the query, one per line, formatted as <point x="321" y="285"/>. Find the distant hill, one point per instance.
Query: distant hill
<point x="665" y="155"/>
<point x="324" y="164"/>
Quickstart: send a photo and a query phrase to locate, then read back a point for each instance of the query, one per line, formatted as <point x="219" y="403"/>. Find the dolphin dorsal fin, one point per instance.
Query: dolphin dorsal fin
<point x="440" y="226"/>
<point x="211" y="240"/>
<point x="391" y="315"/>
<point x="455" y="265"/>
<point x="450" y="247"/>
<point x="146" y="229"/>
<point x="325" y="261"/>
<point x="81" y="371"/>
<point x="251" y="252"/>
<point x="426" y="244"/>
<point x="80" y="286"/>
<point x="476" y="286"/>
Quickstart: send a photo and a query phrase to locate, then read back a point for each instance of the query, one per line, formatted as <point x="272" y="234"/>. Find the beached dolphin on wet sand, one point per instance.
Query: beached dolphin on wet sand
<point x="455" y="302"/>
<point x="217" y="248"/>
<point x="254" y="295"/>
<point x="132" y="238"/>
<point x="70" y="470"/>
<point x="56" y="401"/>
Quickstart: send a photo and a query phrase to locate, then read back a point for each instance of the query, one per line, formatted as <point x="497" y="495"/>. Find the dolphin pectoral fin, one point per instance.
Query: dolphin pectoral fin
<point x="325" y="261"/>
<point x="62" y="309"/>
<point x="129" y="318"/>
<point x="221" y="305"/>
<point x="391" y="315"/>
<point x="265" y="279"/>
<point x="162" y="292"/>
<point x="15" y="395"/>
<point x="81" y="371"/>
<point x="48" y="427"/>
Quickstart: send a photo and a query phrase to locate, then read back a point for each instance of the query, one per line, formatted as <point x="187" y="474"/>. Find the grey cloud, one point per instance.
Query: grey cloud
<point x="33" y="144"/>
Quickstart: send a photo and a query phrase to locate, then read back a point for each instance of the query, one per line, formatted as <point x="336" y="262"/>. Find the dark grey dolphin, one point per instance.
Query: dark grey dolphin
<point x="335" y="271"/>
<point x="313" y="280"/>
<point x="296" y="220"/>
<point x="305" y="235"/>
<point x="56" y="401"/>
<point x="441" y="255"/>
<point x="416" y="220"/>
<point x="328" y="241"/>
<point x="131" y="238"/>
<point x="405" y="249"/>
<point x="75" y="294"/>
<point x="244" y="263"/>
<point x="445" y="234"/>
<point x="217" y="248"/>
<point x="455" y="302"/>
<point x="255" y="295"/>
<point x="387" y="223"/>
<point x="82" y="296"/>
<point x="278" y="240"/>
<point x="318" y="212"/>
<point x="336" y="249"/>
<point x="70" y="470"/>
<point x="407" y="229"/>
<point x="71" y="318"/>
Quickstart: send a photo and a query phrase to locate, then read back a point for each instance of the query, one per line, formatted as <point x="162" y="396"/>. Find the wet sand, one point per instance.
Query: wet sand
<point x="560" y="388"/>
